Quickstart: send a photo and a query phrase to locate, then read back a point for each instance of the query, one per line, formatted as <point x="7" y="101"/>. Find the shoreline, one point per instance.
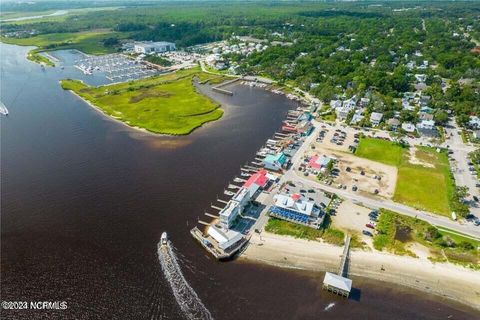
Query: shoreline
<point x="448" y="281"/>
<point x="143" y="130"/>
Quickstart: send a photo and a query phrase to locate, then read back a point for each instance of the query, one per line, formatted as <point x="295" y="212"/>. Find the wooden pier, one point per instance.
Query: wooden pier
<point x="339" y="283"/>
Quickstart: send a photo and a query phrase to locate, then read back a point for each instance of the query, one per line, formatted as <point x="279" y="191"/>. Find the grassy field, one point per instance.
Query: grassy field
<point x="167" y="104"/>
<point x="396" y="231"/>
<point x="423" y="187"/>
<point x="380" y="150"/>
<point x="419" y="186"/>
<point x="286" y="228"/>
<point x="88" y="42"/>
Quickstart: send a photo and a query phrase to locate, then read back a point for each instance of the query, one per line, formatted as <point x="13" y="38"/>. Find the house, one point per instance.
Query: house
<point x="364" y="102"/>
<point x="317" y="162"/>
<point x="420" y="77"/>
<point x="226" y="238"/>
<point x="426" y="125"/>
<point x="151" y="47"/>
<point x="427" y="128"/>
<point x="343" y="111"/>
<point x="425" y="116"/>
<point x="357" y="117"/>
<point x="426" y="109"/>
<point x="334" y="104"/>
<point x="408" y="127"/>
<point x="474" y="122"/>
<point x="275" y="162"/>
<point x="376" y="118"/>
<point x="393" y="123"/>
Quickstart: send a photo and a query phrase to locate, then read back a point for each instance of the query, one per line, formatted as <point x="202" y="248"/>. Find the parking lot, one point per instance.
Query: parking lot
<point x="349" y="172"/>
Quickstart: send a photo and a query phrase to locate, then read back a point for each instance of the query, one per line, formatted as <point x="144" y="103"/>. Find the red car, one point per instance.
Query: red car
<point x="369" y="225"/>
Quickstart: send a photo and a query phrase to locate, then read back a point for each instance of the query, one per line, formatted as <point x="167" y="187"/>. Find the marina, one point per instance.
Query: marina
<point x="248" y="196"/>
<point x="116" y="67"/>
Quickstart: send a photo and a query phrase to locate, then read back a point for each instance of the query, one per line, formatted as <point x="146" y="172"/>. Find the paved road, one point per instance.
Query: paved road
<point x="439" y="221"/>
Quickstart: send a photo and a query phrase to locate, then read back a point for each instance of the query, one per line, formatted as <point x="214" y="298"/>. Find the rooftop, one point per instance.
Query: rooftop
<point x="337" y="281"/>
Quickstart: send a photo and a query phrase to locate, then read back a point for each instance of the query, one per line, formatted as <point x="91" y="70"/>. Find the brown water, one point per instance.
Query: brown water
<point x="85" y="199"/>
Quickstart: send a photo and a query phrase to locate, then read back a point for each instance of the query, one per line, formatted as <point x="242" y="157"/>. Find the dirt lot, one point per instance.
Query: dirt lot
<point x="366" y="183"/>
<point x="352" y="218"/>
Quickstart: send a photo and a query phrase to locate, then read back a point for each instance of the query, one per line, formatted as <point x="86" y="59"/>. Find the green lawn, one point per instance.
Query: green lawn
<point x="426" y="188"/>
<point x="167" y="104"/>
<point x="380" y="150"/>
<point x="286" y="228"/>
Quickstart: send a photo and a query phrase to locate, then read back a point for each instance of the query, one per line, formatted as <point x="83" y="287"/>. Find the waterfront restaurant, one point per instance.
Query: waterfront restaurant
<point x="226" y="238"/>
<point x="295" y="208"/>
<point x="337" y="284"/>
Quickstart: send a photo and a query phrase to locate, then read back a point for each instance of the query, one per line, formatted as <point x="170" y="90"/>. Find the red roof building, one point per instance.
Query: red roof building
<point x="257" y="180"/>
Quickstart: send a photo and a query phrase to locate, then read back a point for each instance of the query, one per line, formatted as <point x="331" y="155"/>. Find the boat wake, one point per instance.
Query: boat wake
<point x="188" y="300"/>
<point x="329" y="306"/>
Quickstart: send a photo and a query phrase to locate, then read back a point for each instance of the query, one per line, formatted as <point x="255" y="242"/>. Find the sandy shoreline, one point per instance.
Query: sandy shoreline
<point x="445" y="280"/>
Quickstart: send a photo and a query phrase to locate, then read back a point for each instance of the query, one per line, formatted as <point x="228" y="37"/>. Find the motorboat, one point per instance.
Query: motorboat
<point x="164" y="239"/>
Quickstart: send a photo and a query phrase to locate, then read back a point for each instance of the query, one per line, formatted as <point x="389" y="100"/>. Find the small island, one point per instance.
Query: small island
<point x="166" y="104"/>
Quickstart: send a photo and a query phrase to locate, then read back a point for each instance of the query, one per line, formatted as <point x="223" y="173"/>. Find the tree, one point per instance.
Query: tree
<point x="441" y="117"/>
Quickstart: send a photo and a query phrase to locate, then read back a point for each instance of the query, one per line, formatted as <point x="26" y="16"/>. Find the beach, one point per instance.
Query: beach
<point x="442" y="279"/>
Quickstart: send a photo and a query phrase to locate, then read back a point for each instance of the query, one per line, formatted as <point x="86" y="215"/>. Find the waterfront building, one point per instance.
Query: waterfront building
<point x="258" y="180"/>
<point x="337" y="284"/>
<point x="226" y="238"/>
<point x="275" y="162"/>
<point x="296" y="208"/>
<point x="234" y="207"/>
<point x="154" y="47"/>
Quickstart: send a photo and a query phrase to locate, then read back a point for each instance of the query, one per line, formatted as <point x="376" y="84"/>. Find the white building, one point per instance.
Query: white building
<point x="297" y="203"/>
<point x="225" y="238"/>
<point x="408" y="127"/>
<point x="474" y="122"/>
<point x="375" y="118"/>
<point x="234" y="207"/>
<point x="154" y="47"/>
<point x="426" y="125"/>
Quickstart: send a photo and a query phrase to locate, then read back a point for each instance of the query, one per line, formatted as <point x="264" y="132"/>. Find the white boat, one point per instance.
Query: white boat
<point x="164" y="239"/>
<point x="3" y="109"/>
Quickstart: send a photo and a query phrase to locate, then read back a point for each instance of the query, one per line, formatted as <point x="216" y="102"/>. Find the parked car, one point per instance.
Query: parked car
<point x="475" y="198"/>
<point x="311" y="191"/>
<point x="367" y="233"/>
<point x="370" y="225"/>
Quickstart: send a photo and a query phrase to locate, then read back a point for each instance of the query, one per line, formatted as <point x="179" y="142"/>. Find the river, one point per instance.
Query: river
<point x="84" y="201"/>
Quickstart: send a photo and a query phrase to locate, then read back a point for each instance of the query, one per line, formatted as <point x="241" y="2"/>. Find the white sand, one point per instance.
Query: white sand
<point x="446" y="280"/>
